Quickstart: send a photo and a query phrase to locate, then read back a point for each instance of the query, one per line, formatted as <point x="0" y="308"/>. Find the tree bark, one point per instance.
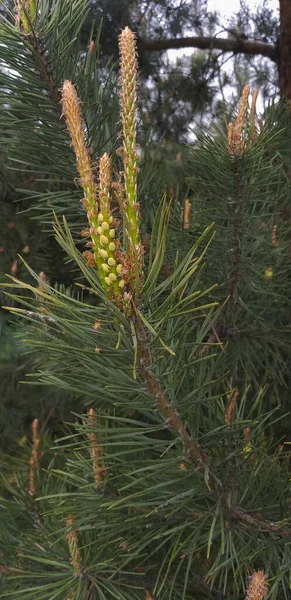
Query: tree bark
<point x="285" y="48"/>
<point x="237" y="46"/>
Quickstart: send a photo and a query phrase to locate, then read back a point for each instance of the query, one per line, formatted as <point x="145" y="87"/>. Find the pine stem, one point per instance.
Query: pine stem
<point x="230" y="421"/>
<point x="195" y="453"/>
<point x="43" y="68"/>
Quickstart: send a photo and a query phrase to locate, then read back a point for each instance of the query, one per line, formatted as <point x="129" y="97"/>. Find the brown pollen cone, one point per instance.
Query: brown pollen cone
<point x="257" y="588"/>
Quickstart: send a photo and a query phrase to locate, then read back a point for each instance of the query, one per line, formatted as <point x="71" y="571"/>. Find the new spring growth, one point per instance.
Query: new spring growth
<point x="274" y="236"/>
<point x="101" y="222"/>
<point x="120" y="272"/>
<point x="34" y="460"/>
<point x="257" y="588"/>
<point x="72" y="539"/>
<point x="95" y="451"/>
<point x="187" y="210"/>
<point x="128" y="109"/>
<point x="72" y="112"/>
<point x="243" y="132"/>
<point x="247" y="449"/>
<point x="233" y="398"/>
<point x="25" y="14"/>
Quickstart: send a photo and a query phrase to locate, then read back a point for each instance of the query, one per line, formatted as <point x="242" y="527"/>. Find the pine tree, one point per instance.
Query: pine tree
<point x="167" y="484"/>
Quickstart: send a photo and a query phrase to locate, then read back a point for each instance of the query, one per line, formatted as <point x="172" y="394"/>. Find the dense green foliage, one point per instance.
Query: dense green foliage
<point x="249" y="200"/>
<point x="176" y="488"/>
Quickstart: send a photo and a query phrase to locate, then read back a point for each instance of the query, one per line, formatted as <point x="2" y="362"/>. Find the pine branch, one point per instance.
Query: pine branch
<point x="26" y="22"/>
<point x="237" y="46"/>
<point x="195" y="453"/>
<point x="259" y="523"/>
<point x="171" y="416"/>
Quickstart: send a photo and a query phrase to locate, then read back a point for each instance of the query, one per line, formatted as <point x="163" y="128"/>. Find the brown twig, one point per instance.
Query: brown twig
<point x="95" y="451"/>
<point x="237" y="46"/>
<point x="171" y="416"/>
<point x="44" y="70"/>
<point x="229" y="418"/>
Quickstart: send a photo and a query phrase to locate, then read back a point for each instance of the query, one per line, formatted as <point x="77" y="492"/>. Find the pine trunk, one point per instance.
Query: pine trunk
<point x="285" y="48"/>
